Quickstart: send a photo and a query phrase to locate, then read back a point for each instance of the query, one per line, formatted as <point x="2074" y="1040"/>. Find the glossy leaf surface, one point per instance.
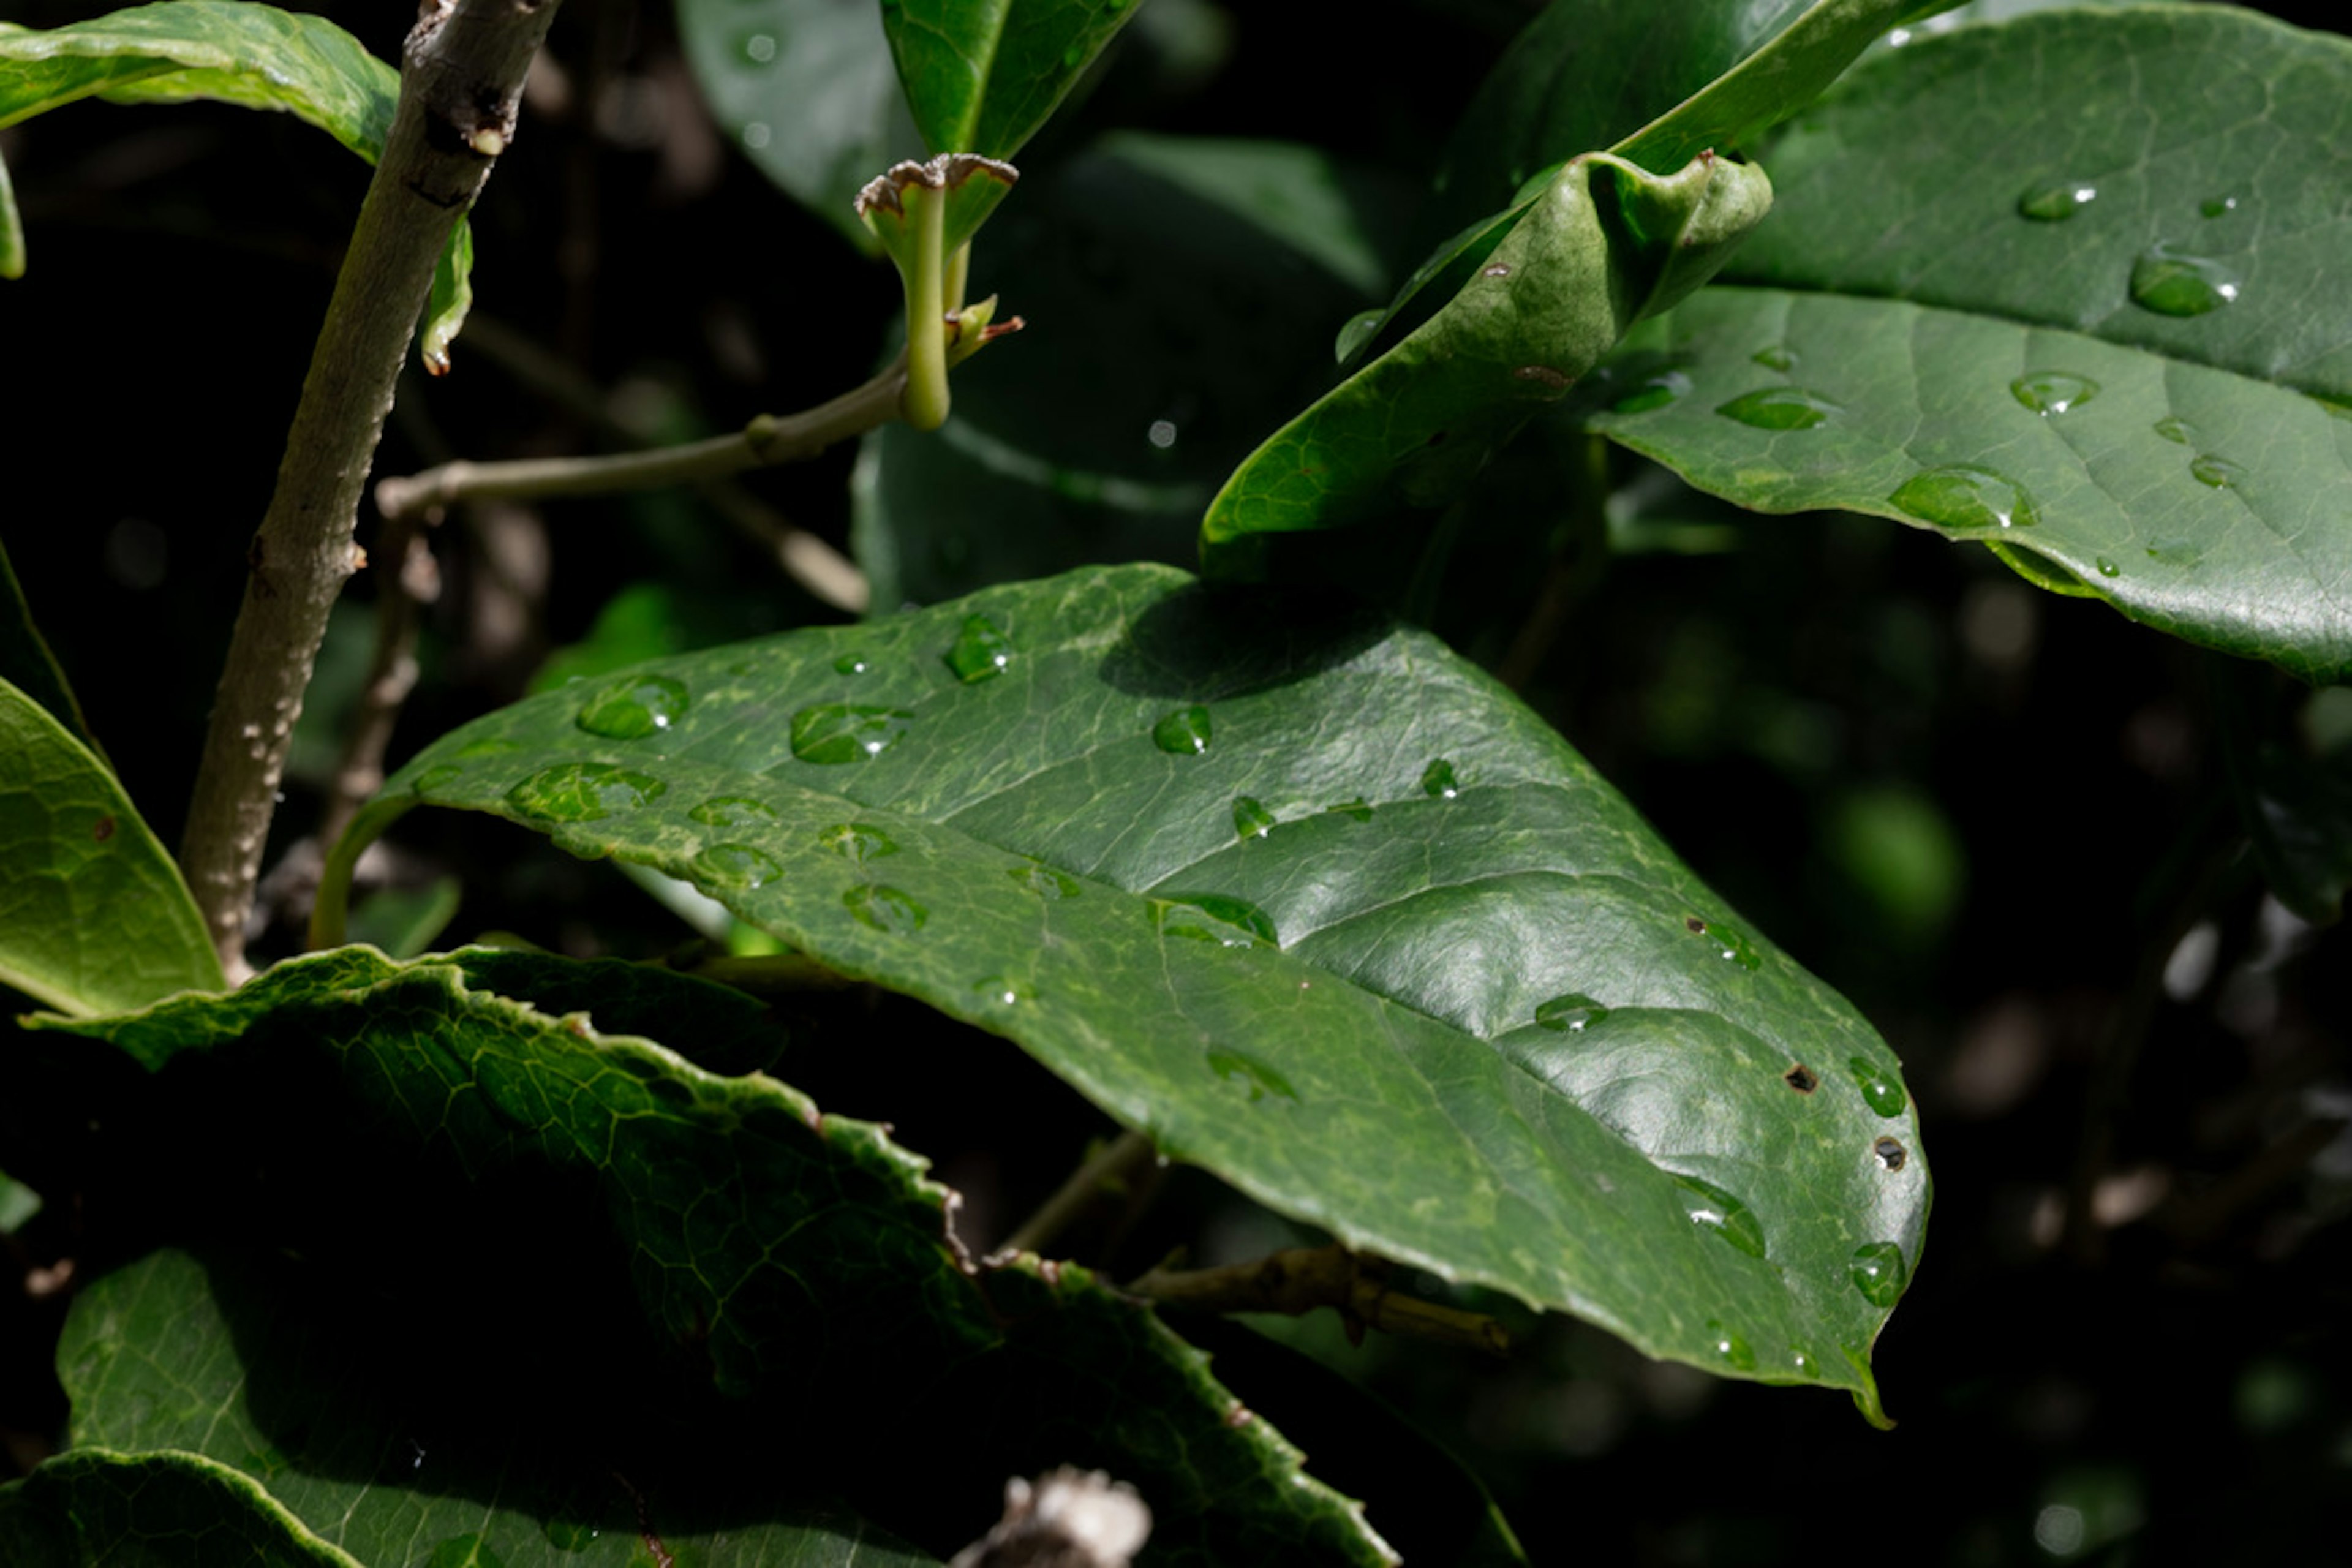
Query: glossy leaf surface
<point x="728" y="1258"/>
<point x="2101" y="320"/>
<point x="982" y="75"/>
<point x="1311" y="901"/>
<point x="1603" y="246"/>
<point x="99" y="1507"/>
<point x="93" y="915"/>
<point x="230" y="51"/>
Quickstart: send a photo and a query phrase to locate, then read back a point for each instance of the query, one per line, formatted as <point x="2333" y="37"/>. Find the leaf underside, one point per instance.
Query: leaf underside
<point x="1304" y="895"/>
<point x="982" y="75"/>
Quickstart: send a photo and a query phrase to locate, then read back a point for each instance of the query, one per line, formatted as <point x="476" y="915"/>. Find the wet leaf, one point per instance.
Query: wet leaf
<point x="93" y="915"/>
<point x="983" y="77"/>
<point x="2124" y="364"/>
<point x="1350" y="1015"/>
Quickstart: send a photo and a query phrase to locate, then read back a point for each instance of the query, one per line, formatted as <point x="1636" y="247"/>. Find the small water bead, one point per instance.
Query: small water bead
<point x="2177" y="431"/>
<point x="1890" y="1153"/>
<point x="2049" y="391"/>
<point x="1962" y="495"/>
<point x="1251" y="820"/>
<point x="1652" y="392"/>
<point x="1043" y="880"/>
<point x="735" y="866"/>
<point x="2174" y="283"/>
<point x="440" y="776"/>
<point x="1779" y="408"/>
<point x="2219" y="472"/>
<point x="1002" y="991"/>
<point x="1729" y="940"/>
<point x="756" y="48"/>
<point x="2176" y="552"/>
<point x="886" y="910"/>
<point x="733" y="811"/>
<point x="1776" y="356"/>
<point x="839" y="732"/>
<point x="857" y="841"/>
<point x="1438" y="782"/>
<point x="1880" y="1273"/>
<point x="1570" y="1013"/>
<point x="1358" y="810"/>
<point x="981" y="651"/>
<point x="584" y="791"/>
<point x="1214" y="916"/>
<point x="850" y="664"/>
<point x="2106" y="567"/>
<point x="1730" y="1348"/>
<point x="2057" y="201"/>
<point x="634" y="707"/>
<point x="1261" y="1079"/>
<point x="1880" y="1089"/>
<point x="2218" y="206"/>
<point x="1183" y="734"/>
<point x="570" y="1534"/>
<point x="1714" y="1210"/>
<point x="1804" y="1366"/>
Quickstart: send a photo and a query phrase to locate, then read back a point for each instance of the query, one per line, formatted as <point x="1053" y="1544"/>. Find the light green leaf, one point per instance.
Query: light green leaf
<point x="1311" y="901"/>
<point x="109" y="1510"/>
<point x="26" y="659"/>
<point x="1605" y="245"/>
<point x="93" y="915"/>
<point x="12" y="229"/>
<point x="2120" y="355"/>
<point x="807" y="89"/>
<point x="18" y="1202"/>
<point x="231" y="51"/>
<point x="982" y="75"/>
<point x="685" y="1267"/>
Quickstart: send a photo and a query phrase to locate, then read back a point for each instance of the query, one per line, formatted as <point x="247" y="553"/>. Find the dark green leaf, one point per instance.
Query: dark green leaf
<point x="1069" y="854"/>
<point x="109" y="1510"/>
<point x="2124" y="361"/>
<point x="1605" y="245"/>
<point x="982" y="74"/>
<point x="722" y="1254"/>
<point x="94" y="917"/>
<point x="231" y="51"/>
<point x="26" y="660"/>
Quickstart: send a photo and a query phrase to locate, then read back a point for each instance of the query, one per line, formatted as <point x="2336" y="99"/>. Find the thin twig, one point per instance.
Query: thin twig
<point x="1125" y="1158"/>
<point x="1300" y="1279"/>
<point x="461" y="80"/>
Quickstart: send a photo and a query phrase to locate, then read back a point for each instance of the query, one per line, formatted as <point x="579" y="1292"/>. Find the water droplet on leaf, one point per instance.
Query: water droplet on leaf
<point x="1043" y="880"/>
<point x="569" y="1534"/>
<point x="2049" y="391"/>
<point x="1730" y="1348"/>
<point x="2057" y="201"/>
<point x="735" y="866"/>
<point x="857" y="841"/>
<point x="2219" y="472"/>
<point x="1262" y="1079"/>
<point x="1965" y="496"/>
<point x="1438" y="780"/>
<point x="1713" y="1209"/>
<point x="2218" y="206"/>
<point x="850" y="664"/>
<point x="1880" y="1273"/>
<point x="1251" y="820"/>
<point x="1776" y="356"/>
<point x="1779" y="408"/>
<point x="733" y="811"/>
<point x="1729" y="939"/>
<point x="756" y="48"/>
<point x="1004" y="992"/>
<point x="583" y="791"/>
<point x="886" y="910"/>
<point x="2173" y="283"/>
<point x="980" y="652"/>
<point x="2177" y="431"/>
<point x="2106" y="567"/>
<point x="1654" y="391"/>
<point x="1881" y="1089"/>
<point x="1570" y="1013"/>
<point x="634" y="707"/>
<point x="839" y="732"/>
<point x="1184" y="732"/>
<point x="1357" y="331"/>
<point x="439" y="776"/>
<point x="1213" y="917"/>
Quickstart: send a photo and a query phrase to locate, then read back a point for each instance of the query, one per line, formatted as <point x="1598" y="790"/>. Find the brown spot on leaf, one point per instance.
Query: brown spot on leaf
<point x="1695" y="925"/>
<point x="1800" y="1077"/>
<point x="102" y="829"/>
<point x="1544" y="374"/>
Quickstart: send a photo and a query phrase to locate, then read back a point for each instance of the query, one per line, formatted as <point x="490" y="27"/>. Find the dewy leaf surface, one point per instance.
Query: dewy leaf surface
<point x="93" y="915"/>
<point x="2100" y="318"/>
<point x="103" y="1509"/>
<point x="1310" y="899"/>
<point x="982" y="74"/>
<point x="231" y="51"/>
<point x="624" y="1261"/>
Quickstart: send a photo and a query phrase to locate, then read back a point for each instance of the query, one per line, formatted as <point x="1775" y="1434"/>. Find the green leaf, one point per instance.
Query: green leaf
<point x="12" y="228"/>
<point x="94" y="918"/>
<point x="231" y="51"/>
<point x="26" y="659"/>
<point x="18" y="1202"/>
<point x="1497" y="1030"/>
<point x="2124" y="361"/>
<point x="982" y="75"/>
<point x="806" y="88"/>
<point x="109" y="1510"/>
<point x="724" y="1257"/>
<point x="1605" y="245"/>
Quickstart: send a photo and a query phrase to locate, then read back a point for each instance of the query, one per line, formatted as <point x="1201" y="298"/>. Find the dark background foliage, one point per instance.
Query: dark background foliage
<point x="2000" y="822"/>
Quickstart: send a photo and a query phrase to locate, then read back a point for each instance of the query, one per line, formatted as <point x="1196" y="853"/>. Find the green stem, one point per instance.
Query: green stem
<point x="924" y="403"/>
<point x="959" y="272"/>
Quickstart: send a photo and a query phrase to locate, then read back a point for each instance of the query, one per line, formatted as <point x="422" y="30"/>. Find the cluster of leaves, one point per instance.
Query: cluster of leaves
<point x="1288" y="885"/>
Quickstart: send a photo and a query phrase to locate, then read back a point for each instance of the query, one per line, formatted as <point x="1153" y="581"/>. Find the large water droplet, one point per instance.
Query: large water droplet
<point x="1654" y="392"/>
<point x="1251" y="820"/>
<point x="2173" y="283"/>
<point x="1779" y="408"/>
<point x="1438" y="780"/>
<point x="2219" y="472"/>
<point x="2177" y="431"/>
<point x="857" y="841"/>
<point x="735" y="866"/>
<point x="980" y="652"/>
<point x="1776" y="356"/>
<point x="2057" y="201"/>
<point x="583" y="791"/>
<point x="1713" y="1209"/>
<point x="1262" y="1079"/>
<point x="733" y="811"/>
<point x="439" y="776"/>
<point x="634" y="707"/>
<point x="2106" y="567"/>
<point x="850" y="664"/>
<point x="837" y="732"/>
<point x="1730" y="1348"/>
<point x="1570" y="1013"/>
<point x="1043" y="880"/>
<point x="1965" y="496"/>
<point x="1213" y="917"/>
<point x="1358" y="810"/>
<point x="2048" y="392"/>
<point x="1880" y="1273"/>
<point x="886" y="910"/>
<point x="1184" y="732"/>
<point x="1881" y="1089"/>
<point x="1729" y="941"/>
<point x="1004" y="991"/>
